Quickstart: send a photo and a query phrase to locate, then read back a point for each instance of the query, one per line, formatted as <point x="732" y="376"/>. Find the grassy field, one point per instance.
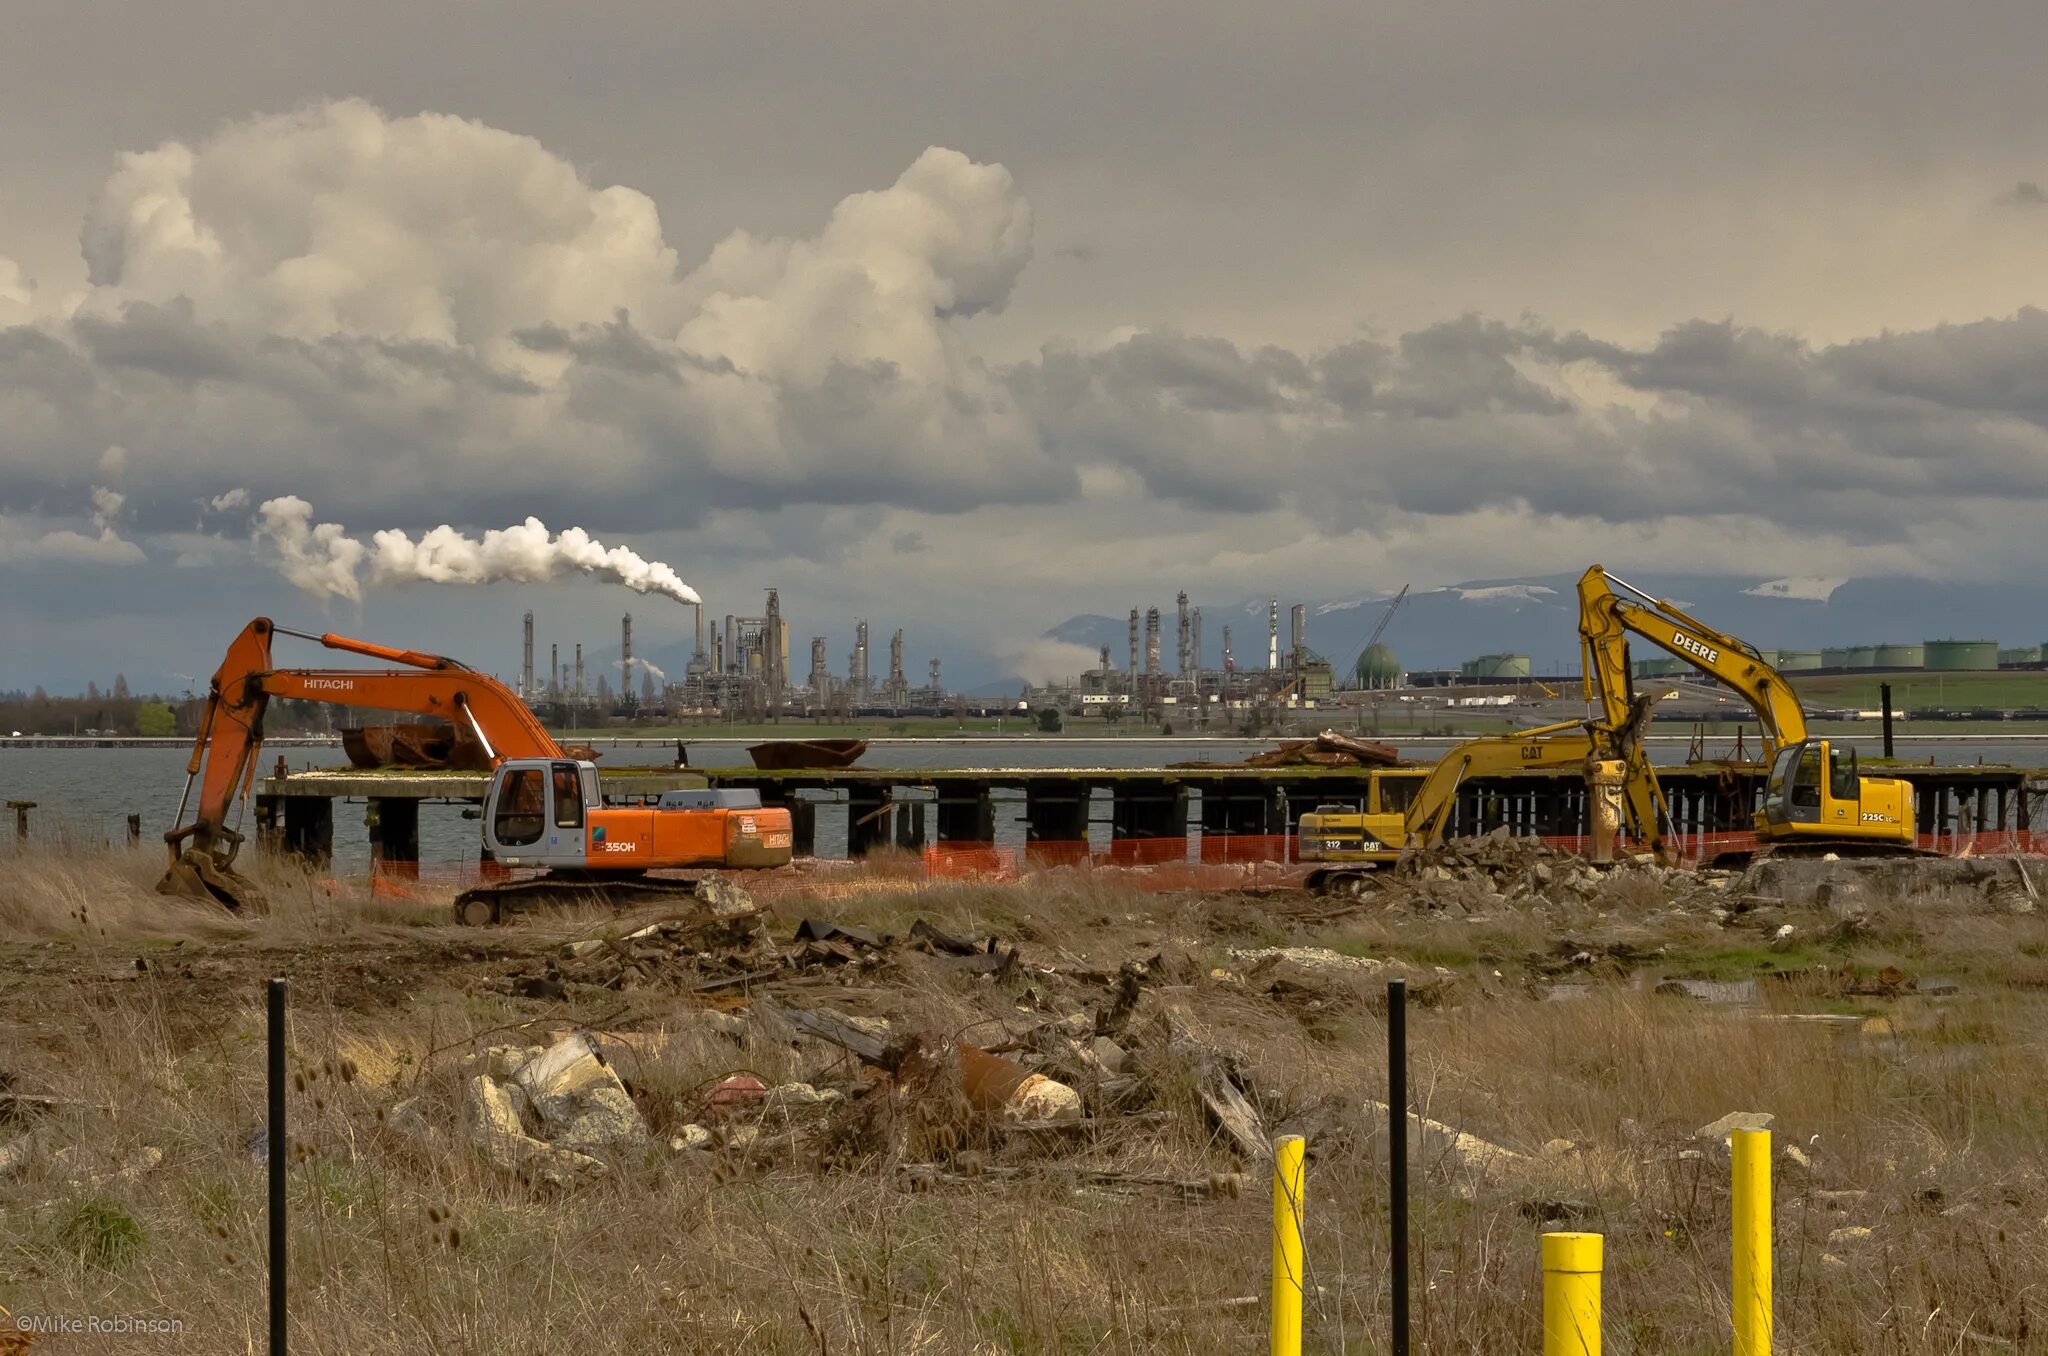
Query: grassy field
<point x="1954" y="691"/>
<point x="1912" y="1193"/>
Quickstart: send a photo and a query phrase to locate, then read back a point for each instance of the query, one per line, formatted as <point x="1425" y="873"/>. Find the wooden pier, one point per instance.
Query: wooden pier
<point x="1077" y="811"/>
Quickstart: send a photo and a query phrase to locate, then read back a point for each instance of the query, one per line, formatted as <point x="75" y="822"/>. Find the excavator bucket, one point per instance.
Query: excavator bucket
<point x="195" y="875"/>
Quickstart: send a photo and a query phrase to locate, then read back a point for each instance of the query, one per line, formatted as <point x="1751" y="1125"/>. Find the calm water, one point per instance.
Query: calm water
<point x="91" y="792"/>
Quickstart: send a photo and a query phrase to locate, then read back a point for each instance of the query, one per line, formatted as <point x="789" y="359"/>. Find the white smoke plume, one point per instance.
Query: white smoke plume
<point x="320" y="558"/>
<point x="1044" y="660"/>
<point x="637" y="662"/>
<point x="233" y="499"/>
<point x="323" y="559"/>
<point x="525" y="554"/>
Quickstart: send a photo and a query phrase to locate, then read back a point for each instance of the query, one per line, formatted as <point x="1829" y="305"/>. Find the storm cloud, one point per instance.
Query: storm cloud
<point x="416" y="320"/>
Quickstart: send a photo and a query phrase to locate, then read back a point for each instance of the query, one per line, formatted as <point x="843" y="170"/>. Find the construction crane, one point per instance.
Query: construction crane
<point x="543" y="807"/>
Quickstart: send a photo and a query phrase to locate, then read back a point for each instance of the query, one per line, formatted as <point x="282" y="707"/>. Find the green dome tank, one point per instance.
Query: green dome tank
<point x="1378" y="667"/>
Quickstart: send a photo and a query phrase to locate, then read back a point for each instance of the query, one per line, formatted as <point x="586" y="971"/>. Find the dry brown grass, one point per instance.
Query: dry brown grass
<point x="1937" y="1118"/>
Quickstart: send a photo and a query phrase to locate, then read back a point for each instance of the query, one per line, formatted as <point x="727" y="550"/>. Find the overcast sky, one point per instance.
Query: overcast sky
<point x="969" y="317"/>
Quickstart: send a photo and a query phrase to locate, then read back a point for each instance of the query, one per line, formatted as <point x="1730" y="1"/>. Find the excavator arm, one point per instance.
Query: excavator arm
<point x="1566" y="745"/>
<point x="224" y="755"/>
<point x="1350" y="844"/>
<point x="1607" y="616"/>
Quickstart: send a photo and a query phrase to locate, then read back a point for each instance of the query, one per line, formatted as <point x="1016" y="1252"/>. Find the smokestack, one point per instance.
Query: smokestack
<point x="1105" y="659"/>
<point x="898" y="685"/>
<point x="777" y="645"/>
<point x="579" y="670"/>
<point x="1229" y="661"/>
<point x="1195" y="640"/>
<point x="857" y="671"/>
<point x="1151" y="642"/>
<point x="733" y="661"/>
<point x="820" y="680"/>
<point x="1181" y="647"/>
<point x="554" y="671"/>
<point x="938" y="690"/>
<point x="526" y="659"/>
<point x="1297" y="630"/>
<point x="1273" y="634"/>
<point x="698" y="654"/>
<point x="626" y="658"/>
<point x="1133" y="671"/>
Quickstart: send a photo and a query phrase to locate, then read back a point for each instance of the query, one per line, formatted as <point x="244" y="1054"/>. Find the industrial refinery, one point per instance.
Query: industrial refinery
<point x="740" y="668"/>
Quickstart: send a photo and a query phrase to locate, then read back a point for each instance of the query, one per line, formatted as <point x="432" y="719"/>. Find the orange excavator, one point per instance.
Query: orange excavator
<point x="543" y="807"/>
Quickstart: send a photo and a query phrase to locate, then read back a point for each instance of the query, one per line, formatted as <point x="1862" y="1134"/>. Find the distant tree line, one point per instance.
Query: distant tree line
<point x="116" y="711"/>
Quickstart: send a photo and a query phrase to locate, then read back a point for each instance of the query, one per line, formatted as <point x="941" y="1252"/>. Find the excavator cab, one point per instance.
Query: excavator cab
<point x="537" y="811"/>
<point x="1815" y="791"/>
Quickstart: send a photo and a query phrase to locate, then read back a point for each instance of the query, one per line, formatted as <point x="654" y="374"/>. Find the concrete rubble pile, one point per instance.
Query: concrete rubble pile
<point x="1498" y="870"/>
<point x="1064" y="1059"/>
<point x="551" y="1114"/>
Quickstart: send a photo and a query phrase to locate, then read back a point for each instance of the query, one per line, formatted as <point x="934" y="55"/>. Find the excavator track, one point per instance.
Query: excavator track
<point x="1809" y="849"/>
<point x="481" y="905"/>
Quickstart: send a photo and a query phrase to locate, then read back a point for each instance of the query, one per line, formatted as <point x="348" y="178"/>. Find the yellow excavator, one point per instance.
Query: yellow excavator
<point x="1349" y="843"/>
<point x="1814" y="797"/>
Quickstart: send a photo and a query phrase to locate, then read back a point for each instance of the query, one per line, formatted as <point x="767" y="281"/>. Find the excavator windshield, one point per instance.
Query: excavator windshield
<point x="1798" y="774"/>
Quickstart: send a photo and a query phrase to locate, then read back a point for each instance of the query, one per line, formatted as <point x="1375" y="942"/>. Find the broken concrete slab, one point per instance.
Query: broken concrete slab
<point x="1735" y="1120"/>
<point x="1308" y="958"/>
<point x="492" y="1110"/>
<point x="722" y="896"/>
<point x="579" y="1102"/>
<point x="495" y="1117"/>
<point x="1463" y="1153"/>
<point x="1112" y="1058"/>
<point x="788" y="1096"/>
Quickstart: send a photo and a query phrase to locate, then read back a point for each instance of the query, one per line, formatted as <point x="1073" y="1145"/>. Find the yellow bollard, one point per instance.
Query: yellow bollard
<point x="1288" y="1154"/>
<point x="1752" y="1274"/>
<point x="1571" y="1294"/>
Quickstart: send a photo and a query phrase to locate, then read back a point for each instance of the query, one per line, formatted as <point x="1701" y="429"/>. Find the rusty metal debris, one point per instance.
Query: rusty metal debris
<point x="1328" y="749"/>
<point x="785" y="754"/>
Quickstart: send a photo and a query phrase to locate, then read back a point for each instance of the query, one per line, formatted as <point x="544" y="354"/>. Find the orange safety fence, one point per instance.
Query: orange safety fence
<point x="1221" y="862"/>
<point x="1213" y="861"/>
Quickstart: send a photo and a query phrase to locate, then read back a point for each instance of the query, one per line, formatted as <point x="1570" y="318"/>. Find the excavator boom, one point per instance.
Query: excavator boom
<point x="223" y="762"/>
<point x="1609" y="610"/>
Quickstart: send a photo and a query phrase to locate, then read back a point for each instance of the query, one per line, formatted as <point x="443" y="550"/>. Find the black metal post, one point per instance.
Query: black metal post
<point x="1397" y="1152"/>
<point x="276" y="1152"/>
<point x="1885" y="693"/>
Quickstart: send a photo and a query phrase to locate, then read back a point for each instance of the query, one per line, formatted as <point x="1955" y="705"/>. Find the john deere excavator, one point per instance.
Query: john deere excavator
<point x="1815" y="800"/>
<point x="543" y="807"/>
